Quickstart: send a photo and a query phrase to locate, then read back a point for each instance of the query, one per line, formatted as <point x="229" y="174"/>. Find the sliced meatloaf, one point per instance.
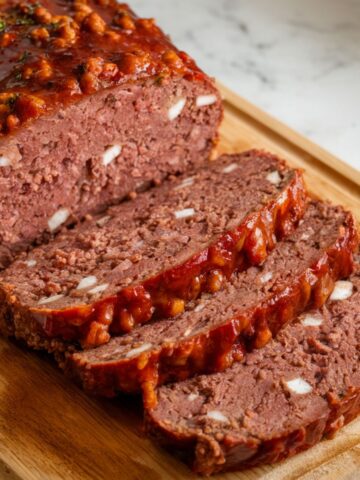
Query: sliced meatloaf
<point x="302" y="387"/>
<point x="149" y="257"/>
<point x="216" y="331"/>
<point x="95" y="103"/>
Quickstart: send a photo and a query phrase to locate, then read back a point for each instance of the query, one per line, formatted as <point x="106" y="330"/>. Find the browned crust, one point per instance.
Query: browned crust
<point x="207" y="456"/>
<point x="235" y="250"/>
<point x="221" y="346"/>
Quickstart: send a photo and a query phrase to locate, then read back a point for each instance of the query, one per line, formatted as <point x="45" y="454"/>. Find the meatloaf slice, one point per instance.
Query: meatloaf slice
<point x="149" y="257"/>
<point x="302" y="387"/>
<point x="216" y="331"/>
<point x="95" y="103"/>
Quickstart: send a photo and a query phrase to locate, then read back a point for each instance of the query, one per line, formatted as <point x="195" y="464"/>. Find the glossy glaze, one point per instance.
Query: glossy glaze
<point x="54" y="52"/>
<point x="165" y="295"/>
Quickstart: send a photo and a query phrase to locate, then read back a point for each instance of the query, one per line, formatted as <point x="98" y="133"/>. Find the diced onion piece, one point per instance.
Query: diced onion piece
<point x="192" y="397"/>
<point x="299" y="385"/>
<point x="343" y="290"/>
<point x="273" y="177"/>
<point x="218" y="416"/>
<point x="30" y="263"/>
<point x="53" y="298"/>
<point x="199" y="307"/>
<point x="185" y="183"/>
<point x="136" y="351"/>
<point x="230" y="168"/>
<point x="99" y="289"/>
<point x="188" y="331"/>
<point x="110" y="154"/>
<point x="205" y="100"/>
<point x="311" y="320"/>
<point x="4" y="161"/>
<point x="58" y="218"/>
<point x="266" y="277"/>
<point x="176" y="109"/>
<point x="87" y="282"/>
<point x="187" y="212"/>
<point x="103" y="220"/>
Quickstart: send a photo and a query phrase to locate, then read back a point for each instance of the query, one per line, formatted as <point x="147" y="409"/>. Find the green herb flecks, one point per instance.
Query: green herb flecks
<point x="24" y="56"/>
<point x="12" y="100"/>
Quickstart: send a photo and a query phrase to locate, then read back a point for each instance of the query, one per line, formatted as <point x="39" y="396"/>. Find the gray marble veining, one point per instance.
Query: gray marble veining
<point x="297" y="59"/>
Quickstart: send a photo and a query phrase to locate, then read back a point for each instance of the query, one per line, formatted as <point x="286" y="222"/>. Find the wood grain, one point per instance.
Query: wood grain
<point x="50" y="430"/>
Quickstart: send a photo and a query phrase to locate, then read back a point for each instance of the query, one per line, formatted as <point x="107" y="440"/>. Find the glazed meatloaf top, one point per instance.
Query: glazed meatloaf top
<point x="298" y="381"/>
<point x="56" y="51"/>
<point x="137" y="239"/>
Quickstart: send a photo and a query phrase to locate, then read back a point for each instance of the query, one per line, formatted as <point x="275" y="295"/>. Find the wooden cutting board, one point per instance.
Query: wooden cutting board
<point x="49" y="429"/>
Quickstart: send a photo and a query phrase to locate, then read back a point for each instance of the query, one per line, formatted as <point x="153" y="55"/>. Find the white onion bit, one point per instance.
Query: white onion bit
<point x="53" y="298"/>
<point x="343" y="290"/>
<point x="188" y="331"/>
<point x="4" y="161"/>
<point x="58" y="219"/>
<point x="110" y="154"/>
<point x="185" y="183"/>
<point x="87" y="282"/>
<point x="187" y="212"/>
<point x="99" y="289"/>
<point x="136" y="351"/>
<point x="103" y="220"/>
<point x="218" y="416"/>
<point x="300" y="386"/>
<point x="199" y="307"/>
<point x="311" y="320"/>
<point x="176" y="109"/>
<point x="230" y="168"/>
<point x="30" y="263"/>
<point x="273" y="177"/>
<point x="205" y="100"/>
<point x="266" y="277"/>
<point x="192" y="397"/>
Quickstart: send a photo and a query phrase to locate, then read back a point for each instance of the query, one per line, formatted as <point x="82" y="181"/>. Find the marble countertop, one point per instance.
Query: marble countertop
<point x="299" y="60"/>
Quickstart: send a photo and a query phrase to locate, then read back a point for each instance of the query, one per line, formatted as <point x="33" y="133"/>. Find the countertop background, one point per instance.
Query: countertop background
<point x="299" y="60"/>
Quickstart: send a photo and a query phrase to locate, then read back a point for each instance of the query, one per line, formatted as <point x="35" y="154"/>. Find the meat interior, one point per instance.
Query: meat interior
<point x="96" y="151"/>
<point x="247" y="289"/>
<point x="289" y="380"/>
<point x="137" y="239"/>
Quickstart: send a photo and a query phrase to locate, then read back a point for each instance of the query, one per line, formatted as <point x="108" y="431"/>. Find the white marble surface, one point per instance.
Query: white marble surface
<point x="299" y="60"/>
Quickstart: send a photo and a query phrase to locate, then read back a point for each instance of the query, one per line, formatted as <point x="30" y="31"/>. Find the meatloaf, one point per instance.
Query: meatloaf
<point x="302" y="387"/>
<point x="95" y="103"/>
<point x="216" y="331"/>
<point x="149" y="257"/>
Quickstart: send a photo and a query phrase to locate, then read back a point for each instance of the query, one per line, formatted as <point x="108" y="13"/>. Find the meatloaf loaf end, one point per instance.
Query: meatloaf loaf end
<point x="149" y="257"/>
<point x="95" y="103"/>
<point x="302" y="387"/>
<point x="216" y="331"/>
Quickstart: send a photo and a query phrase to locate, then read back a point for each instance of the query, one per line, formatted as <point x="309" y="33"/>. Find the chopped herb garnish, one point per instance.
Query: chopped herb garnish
<point x="24" y="56"/>
<point x="31" y="7"/>
<point x="34" y="6"/>
<point x="11" y="101"/>
<point x="2" y="25"/>
<point x="24" y="21"/>
<point x="54" y="25"/>
<point x="159" y="80"/>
